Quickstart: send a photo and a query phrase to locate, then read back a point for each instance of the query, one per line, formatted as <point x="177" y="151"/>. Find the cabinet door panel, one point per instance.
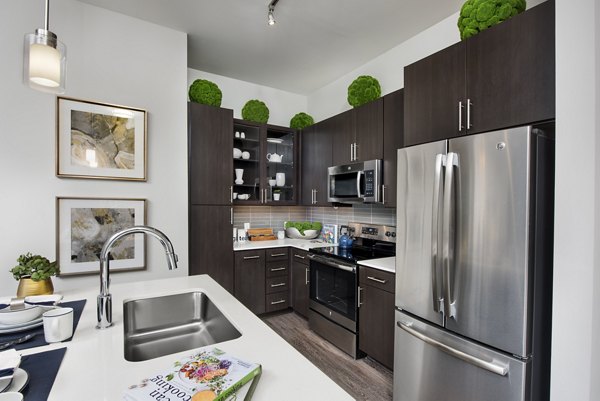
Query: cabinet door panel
<point x="433" y="87"/>
<point x="210" y="144"/>
<point x="393" y="138"/>
<point x="300" y="287"/>
<point x="511" y="71"/>
<point x="250" y="279"/>
<point x="376" y="328"/>
<point x="342" y="127"/>
<point x="211" y="243"/>
<point x="316" y="158"/>
<point x="369" y="130"/>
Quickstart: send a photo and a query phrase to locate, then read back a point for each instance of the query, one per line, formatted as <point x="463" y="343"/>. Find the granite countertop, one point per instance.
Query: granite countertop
<point x="385" y="264"/>
<point x="95" y="369"/>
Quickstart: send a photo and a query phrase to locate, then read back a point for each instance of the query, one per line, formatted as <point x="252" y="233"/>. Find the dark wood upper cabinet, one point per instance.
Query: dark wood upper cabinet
<point x="210" y="161"/>
<point x="316" y="158"/>
<point x="250" y="279"/>
<point x="342" y="128"/>
<point x="393" y="139"/>
<point x="433" y="88"/>
<point x="369" y="131"/>
<point x="499" y="78"/>
<point x="511" y="71"/>
<point x="211" y="243"/>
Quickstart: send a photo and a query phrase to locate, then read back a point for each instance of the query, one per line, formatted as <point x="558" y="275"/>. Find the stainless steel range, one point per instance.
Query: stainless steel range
<point x="333" y="312"/>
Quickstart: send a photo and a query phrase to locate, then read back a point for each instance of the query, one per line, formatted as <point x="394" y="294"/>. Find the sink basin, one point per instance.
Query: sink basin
<point x="173" y="323"/>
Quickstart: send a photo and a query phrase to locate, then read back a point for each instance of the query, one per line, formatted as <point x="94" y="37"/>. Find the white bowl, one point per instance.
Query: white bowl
<point x="237" y="153"/>
<point x="31" y="312"/>
<point x="292" y="232"/>
<point x="12" y="396"/>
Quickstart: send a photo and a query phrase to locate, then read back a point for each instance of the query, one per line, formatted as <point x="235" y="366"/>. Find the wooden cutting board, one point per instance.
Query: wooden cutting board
<point x="261" y="234"/>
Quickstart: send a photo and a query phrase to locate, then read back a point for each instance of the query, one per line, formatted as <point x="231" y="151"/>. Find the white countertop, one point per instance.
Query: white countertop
<point x="94" y="367"/>
<point x="385" y="264"/>
<point x="304" y="244"/>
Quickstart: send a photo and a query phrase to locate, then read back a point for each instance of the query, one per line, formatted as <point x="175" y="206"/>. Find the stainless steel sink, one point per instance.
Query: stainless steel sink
<point x="173" y="323"/>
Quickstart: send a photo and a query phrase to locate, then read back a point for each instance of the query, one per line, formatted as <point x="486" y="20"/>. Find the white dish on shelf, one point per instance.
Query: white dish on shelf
<point x="239" y="182"/>
<point x="275" y="140"/>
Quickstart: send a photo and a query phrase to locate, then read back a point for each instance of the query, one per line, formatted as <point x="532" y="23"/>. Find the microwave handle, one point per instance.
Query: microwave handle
<point x="358" y="179"/>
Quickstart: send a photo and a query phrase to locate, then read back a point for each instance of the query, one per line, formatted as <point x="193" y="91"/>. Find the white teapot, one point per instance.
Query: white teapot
<point x="274" y="157"/>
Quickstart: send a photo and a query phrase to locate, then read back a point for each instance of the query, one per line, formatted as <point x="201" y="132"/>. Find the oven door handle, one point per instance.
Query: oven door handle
<point x="332" y="263"/>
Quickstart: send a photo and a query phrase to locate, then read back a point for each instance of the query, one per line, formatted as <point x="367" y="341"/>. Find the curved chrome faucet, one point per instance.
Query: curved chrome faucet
<point x="105" y="299"/>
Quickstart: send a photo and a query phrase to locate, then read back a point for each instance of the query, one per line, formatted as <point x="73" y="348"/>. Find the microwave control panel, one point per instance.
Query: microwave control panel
<point x="369" y="183"/>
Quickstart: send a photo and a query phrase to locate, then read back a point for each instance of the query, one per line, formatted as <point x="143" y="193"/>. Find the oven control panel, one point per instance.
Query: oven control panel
<point x="373" y="231"/>
<point x="369" y="183"/>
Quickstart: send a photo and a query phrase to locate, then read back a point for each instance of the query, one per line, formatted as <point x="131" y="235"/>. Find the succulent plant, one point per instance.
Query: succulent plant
<point x="301" y="120"/>
<point x="478" y="15"/>
<point x="36" y="267"/>
<point x="363" y="90"/>
<point x="205" y="92"/>
<point x="255" y="110"/>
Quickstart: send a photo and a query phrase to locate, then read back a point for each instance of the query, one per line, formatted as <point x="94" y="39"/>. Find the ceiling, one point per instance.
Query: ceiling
<point x="313" y="43"/>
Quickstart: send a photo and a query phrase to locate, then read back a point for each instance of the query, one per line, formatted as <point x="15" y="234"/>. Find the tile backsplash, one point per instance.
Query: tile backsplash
<point x="273" y="217"/>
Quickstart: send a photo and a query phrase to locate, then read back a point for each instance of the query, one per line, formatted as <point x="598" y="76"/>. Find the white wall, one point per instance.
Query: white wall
<point x="576" y="325"/>
<point x="282" y="105"/>
<point x="111" y="58"/>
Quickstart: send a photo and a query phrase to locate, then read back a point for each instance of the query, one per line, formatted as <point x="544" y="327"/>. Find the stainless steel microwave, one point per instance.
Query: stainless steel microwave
<point x="355" y="183"/>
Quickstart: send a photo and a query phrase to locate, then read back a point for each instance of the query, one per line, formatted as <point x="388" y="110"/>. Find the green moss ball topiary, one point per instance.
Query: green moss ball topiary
<point x="478" y="15"/>
<point x="363" y="90"/>
<point x="205" y="92"/>
<point x="301" y="120"/>
<point x="255" y="110"/>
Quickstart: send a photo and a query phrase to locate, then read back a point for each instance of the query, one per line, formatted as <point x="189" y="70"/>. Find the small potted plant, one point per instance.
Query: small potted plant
<point x="276" y="194"/>
<point x="34" y="274"/>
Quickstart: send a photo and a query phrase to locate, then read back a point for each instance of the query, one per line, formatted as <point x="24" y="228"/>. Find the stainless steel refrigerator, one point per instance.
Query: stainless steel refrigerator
<point x="474" y="268"/>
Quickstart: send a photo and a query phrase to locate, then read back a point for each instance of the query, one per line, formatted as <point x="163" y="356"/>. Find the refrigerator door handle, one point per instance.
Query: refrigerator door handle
<point x="473" y="360"/>
<point x="448" y="228"/>
<point x="438" y="302"/>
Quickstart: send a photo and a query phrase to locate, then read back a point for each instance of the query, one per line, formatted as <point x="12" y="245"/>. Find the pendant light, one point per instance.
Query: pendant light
<point x="44" y="59"/>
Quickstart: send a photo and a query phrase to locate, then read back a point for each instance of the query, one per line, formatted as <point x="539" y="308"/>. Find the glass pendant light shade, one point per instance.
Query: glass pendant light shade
<point x="44" y="62"/>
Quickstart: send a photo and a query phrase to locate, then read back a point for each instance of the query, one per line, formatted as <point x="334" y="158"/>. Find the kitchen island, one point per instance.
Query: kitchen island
<point x="94" y="367"/>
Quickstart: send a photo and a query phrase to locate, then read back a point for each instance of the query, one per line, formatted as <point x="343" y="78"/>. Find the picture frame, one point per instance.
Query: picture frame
<point x="100" y="140"/>
<point x="84" y="224"/>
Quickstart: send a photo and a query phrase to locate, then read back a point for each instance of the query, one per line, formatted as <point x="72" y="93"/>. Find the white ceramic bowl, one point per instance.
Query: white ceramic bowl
<point x="237" y="153"/>
<point x="31" y="312"/>
<point x="12" y="396"/>
<point x="292" y="232"/>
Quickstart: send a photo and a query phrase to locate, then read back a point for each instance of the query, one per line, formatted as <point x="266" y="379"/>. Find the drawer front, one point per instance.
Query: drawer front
<point x="278" y="301"/>
<point x="377" y="278"/>
<point x="249" y="257"/>
<point x="299" y="256"/>
<point x="277" y="284"/>
<point x="277" y="254"/>
<point x="277" y="269"/>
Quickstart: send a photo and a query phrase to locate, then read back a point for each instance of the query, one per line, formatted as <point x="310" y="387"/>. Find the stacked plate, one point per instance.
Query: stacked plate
<point x="12" y="378"/>
<point x="27" y="317"/>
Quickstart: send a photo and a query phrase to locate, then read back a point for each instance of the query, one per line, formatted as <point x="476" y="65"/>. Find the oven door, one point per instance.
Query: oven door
<point x="333" y="290"/>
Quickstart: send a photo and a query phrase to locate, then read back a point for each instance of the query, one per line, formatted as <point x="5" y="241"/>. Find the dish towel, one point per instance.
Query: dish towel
<point x="9" y="361"/>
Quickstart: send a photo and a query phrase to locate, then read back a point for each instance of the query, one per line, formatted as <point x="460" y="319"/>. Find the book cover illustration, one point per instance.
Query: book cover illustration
<point x="329" y="233"/>
<point x="208" y="375"/>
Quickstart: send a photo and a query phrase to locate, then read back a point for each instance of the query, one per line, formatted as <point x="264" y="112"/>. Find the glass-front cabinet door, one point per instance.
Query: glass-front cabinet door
<point x="264" y="161"/>
<point x="247" y="162"/>
<point x="280" y="162"/>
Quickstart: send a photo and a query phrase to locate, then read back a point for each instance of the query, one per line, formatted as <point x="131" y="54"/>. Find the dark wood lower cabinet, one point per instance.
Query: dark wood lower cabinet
<point x="376" y="317"/>
<point x="211" y="243"/>
<point x="250" y="279"/>
<point x="300" y="277"/>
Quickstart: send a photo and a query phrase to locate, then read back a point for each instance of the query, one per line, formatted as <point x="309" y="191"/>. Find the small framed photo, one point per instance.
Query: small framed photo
<point x="84" y="224"/>
<point x="100" y="141"/>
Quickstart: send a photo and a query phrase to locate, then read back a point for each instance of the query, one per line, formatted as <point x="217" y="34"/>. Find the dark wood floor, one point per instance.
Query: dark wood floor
<point x="364" y="379"/>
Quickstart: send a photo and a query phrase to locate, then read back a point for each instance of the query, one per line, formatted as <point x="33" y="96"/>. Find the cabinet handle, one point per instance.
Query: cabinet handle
<point x="358" y="301"/>
<point x="460" y="107"/>
<point x="355" y="151"/>
<point x="316" y="196"/>
<point x="469" y="104"/>
<point x="278" y="269"/>
<point x="277" y="285"/>
<point x="274" y="255"/>
<point x="251" y="257"/>
<point x="266" y="198"/>
<point x="278" y="302"/>
<point x="351" y="152"/>
<point x="377" y="280"/>
<point x="299" y="257"/>
<point x="231" y="215"/>
<point x="383" y="194"/>
<point x="306" y="276"/>
<point x="231" y="194"/>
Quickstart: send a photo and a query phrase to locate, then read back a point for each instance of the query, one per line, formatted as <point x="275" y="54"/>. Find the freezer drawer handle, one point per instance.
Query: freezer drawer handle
<point x="480" y="363"/>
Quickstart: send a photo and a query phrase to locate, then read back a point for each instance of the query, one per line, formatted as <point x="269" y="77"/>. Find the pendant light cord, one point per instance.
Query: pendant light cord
<point x="47" y="21"/>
